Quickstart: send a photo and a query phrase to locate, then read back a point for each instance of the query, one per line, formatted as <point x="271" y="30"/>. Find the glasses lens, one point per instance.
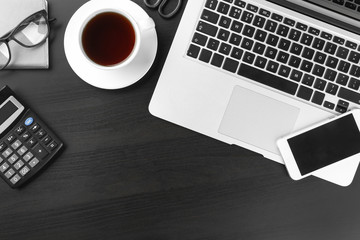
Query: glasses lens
<point x="33" y="32"/>
<point x="4" y="55"/>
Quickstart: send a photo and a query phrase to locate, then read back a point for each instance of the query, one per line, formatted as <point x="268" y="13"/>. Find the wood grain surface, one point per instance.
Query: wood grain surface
<point x="128" y="175"/>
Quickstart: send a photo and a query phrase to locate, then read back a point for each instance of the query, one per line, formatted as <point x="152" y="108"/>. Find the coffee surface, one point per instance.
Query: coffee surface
<point x="108" y="38"/>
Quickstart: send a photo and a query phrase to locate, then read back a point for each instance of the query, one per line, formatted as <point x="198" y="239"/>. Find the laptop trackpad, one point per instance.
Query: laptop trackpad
<point x="256" y="119"/>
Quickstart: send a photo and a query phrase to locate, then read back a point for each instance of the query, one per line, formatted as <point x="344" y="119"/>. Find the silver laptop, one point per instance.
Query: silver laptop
<point x="247" y="72"/>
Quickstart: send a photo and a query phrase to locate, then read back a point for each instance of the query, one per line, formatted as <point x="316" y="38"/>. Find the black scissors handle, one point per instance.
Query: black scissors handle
<point x="161" y="4"/>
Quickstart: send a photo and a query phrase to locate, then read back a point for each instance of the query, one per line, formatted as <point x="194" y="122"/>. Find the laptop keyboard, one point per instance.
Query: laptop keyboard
<point x="350" y="4"/>
<point x="274" y="50"/>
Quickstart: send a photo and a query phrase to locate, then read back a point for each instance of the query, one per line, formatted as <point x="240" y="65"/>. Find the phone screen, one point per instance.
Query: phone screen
<point x="327" y="144"/>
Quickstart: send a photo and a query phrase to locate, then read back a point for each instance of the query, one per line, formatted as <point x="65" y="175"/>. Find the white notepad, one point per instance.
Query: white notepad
<point x="12" y="12"/>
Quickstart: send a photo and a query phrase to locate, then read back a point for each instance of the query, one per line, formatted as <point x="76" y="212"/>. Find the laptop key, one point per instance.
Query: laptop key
<point x="342" y="79"/>
<point x="225" y="48"/>
<point x="249" y="57"/>
<point x="332" y="62"/>
<point x="193" y="51"/>
<point x="260" y="62"/>
<point x="210" y="16"/>
<point x="306" y="66"/>
<point x="354" y="57"/>
<point x="320" y="84"/>
<point x="304" y="93"/>
<point x="318" y="70"/>
<point x="294" y="35"/>
<point x="252" y="8"/>
<point x="320" y="57"/>
<point x="318" y="44"/>
<point x="230" y="65"/>
<point x="318" y="98"/>
<point x="301" y="26"/>
<point x="276" y="17"/>
<point x="283" y="30"/>
<point x="306" y="39"/>
<point x="213" y="44"/>
<point x="235" y="12"/>
<point x="247" y="17"/>
<point x="260" y="35"/>
<point x="330" y="75"/>
<point x="308" y="80"/>
<point x="271" y="26"/>
<point x="224" y="22"/>
<point x="236" y="26"/>
<point x="284" y="71"/>
<point x="211" y="4"/>
<point x="237" y="53"/>
<point x="355" y="71"/>
<point x="349" y="95"/>
<point x="240" y="3"/>
<point x="342" y="106"/>
<point x="331" y="88"/>
<point x="207" y="28"/>
<point x="271" y="52"/>
<point x="272" y="40"/>
<point x="217" y="60"/>
<point x="267" y="79"/>
<point x="294" y="61"/>
<point x="338" y="40"/>
<point x="344" y="66"/>
<point x="205" y="55"/>
<point x="272" y="66"/>
<point x="223" y="8"/>
<point x="259" y="21"/>
<point x="354" y="83"/>
<point x="330" y="48"/>
<point x="326" y="35"/>
<point x="199" y="39"/>
<point x="223" y="35"/>
<point x="248" y="31"/>
<point x="342" y="52"/>
<point x="247" y="43"/>
<point x="329" y="105"/>
<point x="259" y="48"/>
<point x="235" y="39"/>
<point x="264" y="12"/>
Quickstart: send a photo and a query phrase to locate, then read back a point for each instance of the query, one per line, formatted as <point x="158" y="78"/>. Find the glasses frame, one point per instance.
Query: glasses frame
<point x="10" y="36"/>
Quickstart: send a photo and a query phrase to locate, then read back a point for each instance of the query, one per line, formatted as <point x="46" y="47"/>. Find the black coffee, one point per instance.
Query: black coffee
<point x="108" y="38"/>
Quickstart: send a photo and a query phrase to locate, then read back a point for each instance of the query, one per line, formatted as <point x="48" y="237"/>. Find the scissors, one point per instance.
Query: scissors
<point x="161" y="4"/>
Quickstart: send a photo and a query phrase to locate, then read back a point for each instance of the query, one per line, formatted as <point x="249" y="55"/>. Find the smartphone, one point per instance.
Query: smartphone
<point x="335" y="140"/>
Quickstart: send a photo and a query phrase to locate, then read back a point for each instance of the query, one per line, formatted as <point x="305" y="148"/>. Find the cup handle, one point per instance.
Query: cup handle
<point x="146" y="24"/>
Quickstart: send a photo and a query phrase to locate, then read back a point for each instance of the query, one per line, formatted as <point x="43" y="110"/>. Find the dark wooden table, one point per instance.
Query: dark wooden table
<point x="127" y="175"/>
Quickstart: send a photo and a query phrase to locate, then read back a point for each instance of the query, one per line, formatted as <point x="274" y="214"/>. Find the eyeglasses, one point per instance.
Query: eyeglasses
<point x="31" y="32"/>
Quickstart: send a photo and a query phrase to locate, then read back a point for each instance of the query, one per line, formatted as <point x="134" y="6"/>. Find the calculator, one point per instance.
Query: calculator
<point x="27" y="144"/>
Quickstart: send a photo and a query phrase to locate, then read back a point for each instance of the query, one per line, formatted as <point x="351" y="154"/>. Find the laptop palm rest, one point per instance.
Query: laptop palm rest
<point x="256" y="119"/>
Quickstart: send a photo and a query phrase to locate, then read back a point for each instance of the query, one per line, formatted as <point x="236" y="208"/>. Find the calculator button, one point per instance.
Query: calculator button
<point x="22" y="150"/>
<point x="7" y="152"/>
<point x="32" y="142"/>
<point x="9" y="173"/>
<point x="4" y="167"/>
<point x="34" y="162"/>
<point x="18" y="165"/>
<point x="46" y="140"/>
<point x="2" y="146"/>
<point x="11" y="138"/>
<point x="19" y="130"/>
<point x="35" y="128"/>
<point x="25" y="136"/>
<point x="28" y="156"/>
<point x="29" y="121"/>
<point x="40" y="134"/>
<point x="16" y="144"/>
<point x="24" y="171"/>
<point x="52" y="146"/>
<point x="40" y="152"/>
<point x="15" y="179"/>
<point x="13" y="159"/>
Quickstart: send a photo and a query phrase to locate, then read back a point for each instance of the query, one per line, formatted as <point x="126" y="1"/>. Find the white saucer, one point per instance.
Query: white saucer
<point x="98" y="77"/>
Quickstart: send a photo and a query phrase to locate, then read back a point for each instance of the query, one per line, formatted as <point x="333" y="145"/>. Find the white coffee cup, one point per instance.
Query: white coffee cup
<point x="128" y="70"/>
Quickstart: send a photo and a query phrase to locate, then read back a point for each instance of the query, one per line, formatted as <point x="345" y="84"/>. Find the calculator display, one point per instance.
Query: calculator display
<point x="6" y="111"/>
<point x="10" y="109"/>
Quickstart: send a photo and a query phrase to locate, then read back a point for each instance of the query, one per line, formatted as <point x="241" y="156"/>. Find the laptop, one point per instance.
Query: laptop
<point x="247" y="72"/>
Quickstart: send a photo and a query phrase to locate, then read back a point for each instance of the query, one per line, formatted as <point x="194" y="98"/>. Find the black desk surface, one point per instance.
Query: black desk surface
<point x="128" y="175"/>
